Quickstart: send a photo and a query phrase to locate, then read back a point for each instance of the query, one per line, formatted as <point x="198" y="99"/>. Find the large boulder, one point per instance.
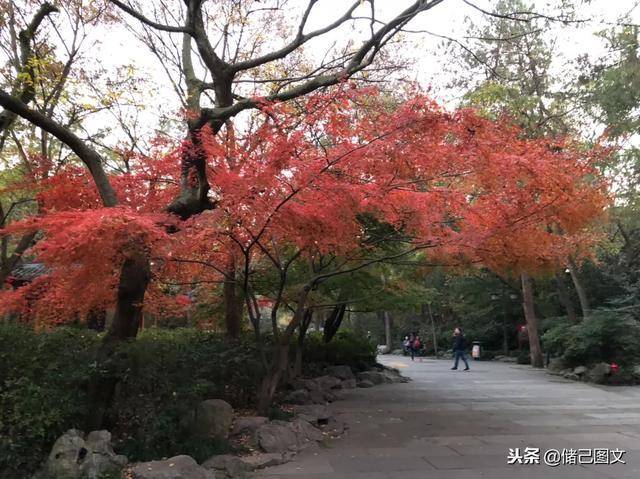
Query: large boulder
<point x="365" y="383"/>
<point x="348" y="383"/>
<point x="315" y="413"/>
<point x="374" y="377"/>
<point x="329" y="382"/>
<point x="321" y="397"/>
<point x="247" y="424"/>
<point x="341" y="372"/>
<point x="580" y="370"/>
<point x="556" y="365"/>
<point x="305" y="433"/>
<point x="212" y="419"/>
<point x="100" y="459"/>
<point x="178" y="467"/>
<point x="393" y="376"/>
<point x="267" y="459"/>
<point x="75" y="457"/>
<point x="283" y="436"/>
<point x="229" y="465"/>
<point x="599" y="373"/>
<point x="239" y="467"/>
<point x="65" y="454"/>
<point x="308" y="384"/>
<point x="299" y="396"/>
<point x="334" y="428"/>
<point x="276" y="436"/>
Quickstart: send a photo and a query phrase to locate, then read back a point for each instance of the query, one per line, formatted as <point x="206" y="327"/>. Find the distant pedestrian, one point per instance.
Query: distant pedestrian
<point x="459" y="348"/>
<point x="417" y="346"/>
<point x="412" y="337"/>
<point x="414" y="340"/>
<point x="406" y="344"/>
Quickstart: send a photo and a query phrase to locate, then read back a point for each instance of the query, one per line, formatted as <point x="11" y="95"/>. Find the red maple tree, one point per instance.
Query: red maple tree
<point x="295" y="184"/>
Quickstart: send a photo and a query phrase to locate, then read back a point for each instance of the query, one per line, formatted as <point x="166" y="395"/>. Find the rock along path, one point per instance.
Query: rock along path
<point x="460" y="425"/>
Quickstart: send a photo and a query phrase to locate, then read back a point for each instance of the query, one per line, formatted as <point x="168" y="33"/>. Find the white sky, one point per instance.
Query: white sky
<point x="445" y="19"/>
<point x="117" y="46"/>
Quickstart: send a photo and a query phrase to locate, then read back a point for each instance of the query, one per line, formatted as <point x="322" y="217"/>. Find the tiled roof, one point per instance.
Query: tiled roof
<point x="28" y="271"/>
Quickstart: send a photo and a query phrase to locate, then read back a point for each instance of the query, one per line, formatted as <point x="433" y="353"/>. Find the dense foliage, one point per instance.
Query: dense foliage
<point x="327" y="194"/>
<point x="162" y="376"/>
<point x="42" y="391"/>
<point x="354" y="350"/>
<point x="604" y="336"/>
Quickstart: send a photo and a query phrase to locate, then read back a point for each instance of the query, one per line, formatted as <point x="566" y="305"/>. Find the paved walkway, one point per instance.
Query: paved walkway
<point x="460" y="425"/>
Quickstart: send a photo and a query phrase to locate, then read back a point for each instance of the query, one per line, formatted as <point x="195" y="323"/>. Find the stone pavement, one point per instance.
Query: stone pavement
<point x="460" y="425"/>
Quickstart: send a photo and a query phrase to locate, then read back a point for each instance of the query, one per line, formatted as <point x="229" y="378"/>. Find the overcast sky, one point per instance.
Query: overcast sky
<point x="445" y="19"/>
<point x="448" y="19"/>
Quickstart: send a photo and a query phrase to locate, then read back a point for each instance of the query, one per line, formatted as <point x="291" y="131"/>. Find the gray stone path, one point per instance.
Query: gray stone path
<point x="459" y="425"/>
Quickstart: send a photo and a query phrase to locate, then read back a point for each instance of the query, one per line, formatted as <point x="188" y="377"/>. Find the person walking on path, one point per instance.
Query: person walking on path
<point x="412" y="351"/>
<point x="417" y="345"/>
<point x="459" y="349"/>
<point x="406" y="345"/>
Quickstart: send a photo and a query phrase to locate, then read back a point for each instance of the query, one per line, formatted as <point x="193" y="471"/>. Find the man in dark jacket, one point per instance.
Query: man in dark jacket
<point x="459" y="348"/>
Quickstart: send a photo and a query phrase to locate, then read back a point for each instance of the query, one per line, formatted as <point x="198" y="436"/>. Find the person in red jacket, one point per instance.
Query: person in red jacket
<point x="415" y="346"/>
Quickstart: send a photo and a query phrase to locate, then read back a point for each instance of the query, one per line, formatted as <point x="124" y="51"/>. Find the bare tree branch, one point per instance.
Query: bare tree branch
<point x="89" y="156"/>
<point x="298" y="41"/>
<point x="24" y="89"/>
<point x="139" y="16"/>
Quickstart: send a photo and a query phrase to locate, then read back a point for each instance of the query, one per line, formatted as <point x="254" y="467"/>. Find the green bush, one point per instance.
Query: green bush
<point x="43" y="381"/>
<point x="604" y="336"/>
<point x="523" y="357"/>
<point x="161" y="375"/>
<point x="345" y="348"/>
<point x="168" y="372"/>
<point x="487" y="355"/>
<point x="557" y="332"/>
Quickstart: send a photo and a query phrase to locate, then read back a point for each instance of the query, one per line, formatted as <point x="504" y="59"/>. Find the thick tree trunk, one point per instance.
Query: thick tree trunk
<point x="427" y="315"/>
<point x="532" y="321"/>
<point x="194" y="186"/>
<point x="280" y="361"/>
<point x="97" y="319"/>
<point x="333" y="322"/>
<point x="8" y="264"/>
<point x="270" y="382"/>
<point x="582" y="295"/>
<point x="296" y="370"/>
<point x="134" y="278"/>
<point x="387" y="329"/>
<point x="563" y="295"/>
<point x="233" y="304"/>
<point x="433" y="329"/>
<point x="505" y="333"/>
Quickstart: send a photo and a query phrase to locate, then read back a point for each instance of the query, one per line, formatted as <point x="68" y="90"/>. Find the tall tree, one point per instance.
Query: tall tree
<point x="23" y="88"/>
<point x="609" y="93"/>
<point x="511" y="63"/>
<point x="532" y="321"/>
<point x="237" y="75"/>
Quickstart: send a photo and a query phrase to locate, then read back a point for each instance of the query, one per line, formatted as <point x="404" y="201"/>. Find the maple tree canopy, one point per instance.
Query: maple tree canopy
<point x="299" y="177"/>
